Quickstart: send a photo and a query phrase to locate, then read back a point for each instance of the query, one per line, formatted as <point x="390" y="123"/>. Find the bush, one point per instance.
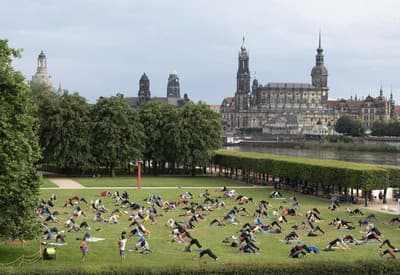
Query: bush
<point x="299" y="266"/>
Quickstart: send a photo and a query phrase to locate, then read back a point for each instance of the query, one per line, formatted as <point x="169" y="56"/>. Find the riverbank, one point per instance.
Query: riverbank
<point x="359" y="146"/>
<point x="351" y="146"/>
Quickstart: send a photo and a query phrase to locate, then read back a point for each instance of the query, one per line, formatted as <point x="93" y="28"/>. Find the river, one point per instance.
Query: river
<point x="365" y="157"/>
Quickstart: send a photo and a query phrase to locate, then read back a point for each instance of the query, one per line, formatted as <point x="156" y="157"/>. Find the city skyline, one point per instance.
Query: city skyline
<point x="104" y="48"/>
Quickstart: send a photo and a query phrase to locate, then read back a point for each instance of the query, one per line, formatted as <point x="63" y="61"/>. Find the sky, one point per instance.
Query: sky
<point x="100" y="48"/>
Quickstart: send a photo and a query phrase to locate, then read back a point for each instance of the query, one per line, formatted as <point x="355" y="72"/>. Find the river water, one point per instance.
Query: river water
<point x="365" y="157"/>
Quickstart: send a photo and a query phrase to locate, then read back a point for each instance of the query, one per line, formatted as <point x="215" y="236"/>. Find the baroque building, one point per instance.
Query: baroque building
<point x="173" y="92"/>
<point x="41" y="76"/>
<point x="366" y="110"/>
<point x="265" y="104"/>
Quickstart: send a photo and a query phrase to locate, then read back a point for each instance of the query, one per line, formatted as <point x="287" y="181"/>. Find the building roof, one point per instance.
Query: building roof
<point x="132" y="101"/>
<point x="227" y="101"/>
<point x="331" y="103"/>
<point x="354" y="104"/>
<point x="288" y="85"/>
<point x="215" y="108"/>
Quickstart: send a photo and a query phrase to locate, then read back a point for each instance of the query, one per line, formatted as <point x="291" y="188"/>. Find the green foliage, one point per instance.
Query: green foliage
<point x="349" y="126"/>
<point x="339" y="173"/>
<point x="339" y="139"/>
<point x="200" y="133"/>
<point x="161" y="125"/>
<point x="64" y="128"/>
<point x="19" y="151"/>
<point x="386" y="128"/>
<point x="116" y="133"/>
<point x="297" y="266"/>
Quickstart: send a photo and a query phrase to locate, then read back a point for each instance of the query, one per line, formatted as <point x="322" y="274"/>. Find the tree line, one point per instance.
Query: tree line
<point x="79" y="137"/>
<point x="386" y="128"/>
<point x="349" y="126"/>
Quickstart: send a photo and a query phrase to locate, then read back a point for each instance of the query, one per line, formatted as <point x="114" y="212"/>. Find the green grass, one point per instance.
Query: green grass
<point x="46" y="183"/>
<point x="148" y="181"/>
<point x="166" y="255"/>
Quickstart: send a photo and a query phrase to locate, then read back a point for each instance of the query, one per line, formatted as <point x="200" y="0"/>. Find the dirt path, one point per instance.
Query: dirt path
<point x="155" y="187"/>
<point x="389" y="208"/>
<point x="64" y="183"/>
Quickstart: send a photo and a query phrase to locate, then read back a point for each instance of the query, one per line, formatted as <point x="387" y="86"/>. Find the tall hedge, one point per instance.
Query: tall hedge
<point x="331" y="172"/>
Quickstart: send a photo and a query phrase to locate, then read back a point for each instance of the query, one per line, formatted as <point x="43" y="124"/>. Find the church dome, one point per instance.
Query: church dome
<point x="319" y="70"/>
<point x="42" y="55"/>
<point x="144" y="77"/>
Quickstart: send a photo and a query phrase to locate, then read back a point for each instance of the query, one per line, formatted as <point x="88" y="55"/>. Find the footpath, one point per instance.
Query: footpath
<point x="64" y="183"/>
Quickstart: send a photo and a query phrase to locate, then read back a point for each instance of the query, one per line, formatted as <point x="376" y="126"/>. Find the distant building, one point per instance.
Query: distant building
<point x="263" y="104"/>
<point x="216" y="108"/>
<point x="367" y="110"/>
<point x="41" y="76"/>
<point x="173" y="93"/>
<point x="293" y="108"/>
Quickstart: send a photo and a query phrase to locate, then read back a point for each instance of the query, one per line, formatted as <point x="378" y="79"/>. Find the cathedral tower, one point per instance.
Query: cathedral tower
<point x="144" y="89"/>
<point x="242" y="80"/>
<point x="173" y="89"/>
<point x="41" y="76"/>
<point x="319" y="73"/>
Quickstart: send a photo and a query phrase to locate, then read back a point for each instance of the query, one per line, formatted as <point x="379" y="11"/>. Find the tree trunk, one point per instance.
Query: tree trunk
<point x="112" y="171"/>
<point x="365" y="197"/>
<point x="193" y="171"/>
<point x="384" y="196"/>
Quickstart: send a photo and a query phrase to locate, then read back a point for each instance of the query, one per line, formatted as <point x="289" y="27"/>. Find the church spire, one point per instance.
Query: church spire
<point x="381" y="91"/>
<point x="243" y="48"/>
<point x="59" y="90"/>
<point x="319" y="41"/>
<point x="319" y="73"/>
<point x="319" y="58"/>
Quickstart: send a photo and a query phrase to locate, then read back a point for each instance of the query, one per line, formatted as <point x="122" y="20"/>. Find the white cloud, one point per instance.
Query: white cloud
<point x="99" y="47"/>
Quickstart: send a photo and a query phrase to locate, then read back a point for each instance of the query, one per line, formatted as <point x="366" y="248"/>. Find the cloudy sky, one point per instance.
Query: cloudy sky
<point x="99" y="47"/>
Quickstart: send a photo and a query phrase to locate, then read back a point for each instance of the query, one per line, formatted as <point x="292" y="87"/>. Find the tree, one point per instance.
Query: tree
<point x="162" y="142"/>
<point x="153" y="120"/>
<point x="200" y="131"/>
<point x="64" y="129"/>
<point x="386" y="128"/>
<point x="349" y="126"/>
<point x="171" y="141"/>
<point x="116" y="133"/>
<point x="19" y="151"/>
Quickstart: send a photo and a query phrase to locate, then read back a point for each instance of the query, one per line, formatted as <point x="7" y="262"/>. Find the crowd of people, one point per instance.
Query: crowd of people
<point x="185" y="214"/>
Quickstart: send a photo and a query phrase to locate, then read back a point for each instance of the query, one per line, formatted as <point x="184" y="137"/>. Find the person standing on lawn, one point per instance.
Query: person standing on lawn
<point x="84" y="249"/>
<point x="122" y="244"/>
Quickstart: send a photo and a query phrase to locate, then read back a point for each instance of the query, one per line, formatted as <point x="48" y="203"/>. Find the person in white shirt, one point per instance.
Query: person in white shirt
<point x="122" y="244"/>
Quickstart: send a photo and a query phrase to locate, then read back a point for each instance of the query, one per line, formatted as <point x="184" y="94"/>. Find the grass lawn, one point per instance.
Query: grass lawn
<point x="148" y="181"/>
<point x="104" y="255"/>
<point x="46" y="183"/>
